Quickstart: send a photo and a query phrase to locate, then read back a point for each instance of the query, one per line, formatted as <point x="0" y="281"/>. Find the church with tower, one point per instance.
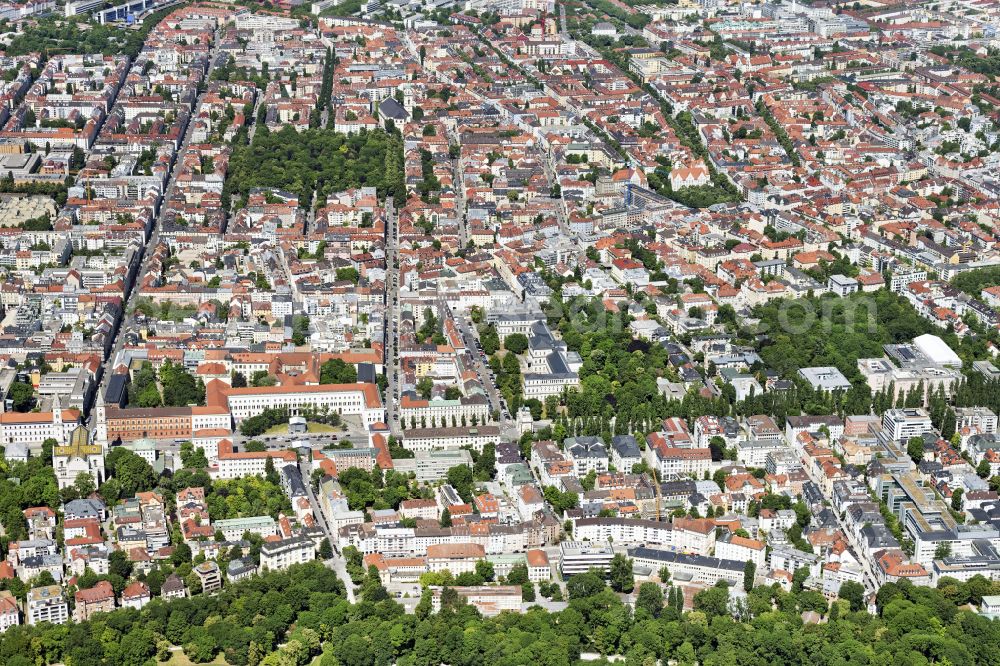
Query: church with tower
<point x="79" y="456"/>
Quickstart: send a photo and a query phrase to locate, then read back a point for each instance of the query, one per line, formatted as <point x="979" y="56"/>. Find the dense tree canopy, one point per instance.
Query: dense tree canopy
<point x="244" y="623"/>
<point x="378" y="489"/>
<point x="180" y="388"/>
<point x="973" y="282"/>
<point x="128" y="474"/>
<point x="516" y="343"/>
<point x="335" y="371"/>
<point x="835" y="331"/>
<point x="257" y="425"/>
<point x="53" y="35"/>
<point x="303" y="611"/>
<point x="247" y="496"/>
<point x="143" y="391"/>
<point x="22" y="396"/>
<point x="317" y="161"/>
<point x="23" y="485"/>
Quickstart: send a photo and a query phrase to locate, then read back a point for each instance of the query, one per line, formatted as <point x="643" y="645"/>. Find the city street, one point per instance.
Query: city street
<point x="337" y="562"/>
<point x="127" y="320"/>
<point x="508" y="429"/>
<point x="392" y="317"/>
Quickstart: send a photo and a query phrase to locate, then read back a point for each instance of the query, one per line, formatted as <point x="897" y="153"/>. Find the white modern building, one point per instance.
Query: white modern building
<point x="825" y="378"/>
<point x="47" y="604"/>
<point x="841" y="285"/>
<point x="937" y="350"/>
<point x="977" y="418"/>
<point x="902" y="424"/>
<point x="576" y="557"/>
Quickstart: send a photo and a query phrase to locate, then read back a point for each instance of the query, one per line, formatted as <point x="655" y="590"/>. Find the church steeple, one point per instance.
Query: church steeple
<point x="57" y="421"/>
<point x="100" y="424"/>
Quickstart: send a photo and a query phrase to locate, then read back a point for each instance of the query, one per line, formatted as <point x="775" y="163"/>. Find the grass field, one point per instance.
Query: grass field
<point x="282" y="428"/>
<point x="177" y="658"/>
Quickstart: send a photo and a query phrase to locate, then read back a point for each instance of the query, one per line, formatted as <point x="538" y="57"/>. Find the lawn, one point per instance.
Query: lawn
<point x="178" y="658"/>
<point x="282" y="428"/>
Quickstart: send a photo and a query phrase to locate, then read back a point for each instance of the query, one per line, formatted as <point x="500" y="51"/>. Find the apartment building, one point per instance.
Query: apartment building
<point x="976" y="418"/>
<point x="47" y="604"/>
<point x="235" y="465"/>
<point x="455" y="557"/>
<point x="587" y="454"/>
<point x="754" y="453"/>
<point x="97" y="599"/>
<point x="539" y="568"/>
<point x="279" y="555"/>
<point x="427" y="439"/>
<point x="396" y="569"/>
<point x="210" y="576"/>
<point x="696" y="535"/>
<point x="420" y="509"/>
<point x="41" y="522"/>
<point x="173" y="588"/>
<point x="673" y="461"/>
<point x="10" y="614"/>
<point x="707" y="427"/>
<point x="365" y="458"/>
<point x="625" y="453"/>
<point x="796" y="425"/>
<point x="135" y="595"/>
<point x="728" y="546"/>
<point x="233" y="529"/>
<point x="441" y="412"/>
